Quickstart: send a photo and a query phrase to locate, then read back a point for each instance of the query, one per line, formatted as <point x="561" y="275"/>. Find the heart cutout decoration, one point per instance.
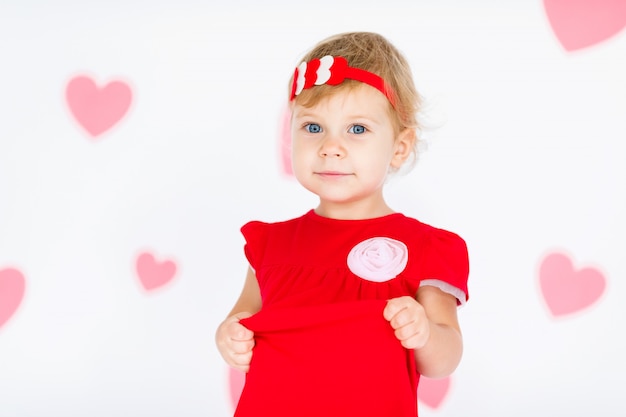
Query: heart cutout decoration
<point x="154" y="274"/>
<point x="579" y="24"/>
<point x="97" y="109"/>
<point x="236" y="381"/>
<point x="284" y="143"/>
<point x="567" y="290"/>
<point x="12" y="287"/>
<point x="432" y="392"/>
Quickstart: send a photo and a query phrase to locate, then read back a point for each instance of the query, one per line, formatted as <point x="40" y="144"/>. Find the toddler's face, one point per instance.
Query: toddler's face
<point x="344" y="146"/>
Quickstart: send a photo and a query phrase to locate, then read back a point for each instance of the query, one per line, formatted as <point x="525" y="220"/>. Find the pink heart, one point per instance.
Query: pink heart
<point x="285" y="143"/>
<point x="153" y="274"/>
<point x="432" y="392"/>
<point x="97" y="109"/>
<point x="12" y="285"/>
<point x="565" y="289"/>
<point x="581" y="23"/>
<point x="236" y="381"/>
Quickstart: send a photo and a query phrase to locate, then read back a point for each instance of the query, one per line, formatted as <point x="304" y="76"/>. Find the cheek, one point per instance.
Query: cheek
<point x="300" y="167"/>
<point x="298" y="158"/>
<point x="381" y="157"/>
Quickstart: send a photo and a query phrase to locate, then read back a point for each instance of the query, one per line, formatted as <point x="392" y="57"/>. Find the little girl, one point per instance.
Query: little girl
<point x="346" y="306"/>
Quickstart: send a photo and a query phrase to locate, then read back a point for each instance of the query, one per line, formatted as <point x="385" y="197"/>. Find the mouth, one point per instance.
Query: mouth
<point x="332" y="174"/>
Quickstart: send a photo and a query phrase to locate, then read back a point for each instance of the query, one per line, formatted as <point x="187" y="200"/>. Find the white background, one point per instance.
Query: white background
<point x="524" y="157"/>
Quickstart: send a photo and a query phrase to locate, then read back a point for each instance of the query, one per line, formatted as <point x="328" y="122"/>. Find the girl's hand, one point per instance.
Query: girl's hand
<point x="235" y="342"/>
<point x="408" y="318"/>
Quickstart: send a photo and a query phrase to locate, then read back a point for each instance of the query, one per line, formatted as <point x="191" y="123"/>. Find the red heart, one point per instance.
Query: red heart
<point x="565" y="289"/>
<point x="153" y="274"/>
<point x="97" y="109"/>
<point x="12" y="285"/>
<point x="581" y="23"/>
<point x="432" y="392"/>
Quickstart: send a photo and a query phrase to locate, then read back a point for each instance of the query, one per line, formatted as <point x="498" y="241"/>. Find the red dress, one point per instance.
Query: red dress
<point x="322" y="346"/>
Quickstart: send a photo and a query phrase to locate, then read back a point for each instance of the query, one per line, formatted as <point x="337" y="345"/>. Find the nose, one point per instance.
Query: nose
<point x="332" y="148"/>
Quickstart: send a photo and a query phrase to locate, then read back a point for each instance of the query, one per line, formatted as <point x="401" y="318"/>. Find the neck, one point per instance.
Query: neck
<point x="352" y="211"/>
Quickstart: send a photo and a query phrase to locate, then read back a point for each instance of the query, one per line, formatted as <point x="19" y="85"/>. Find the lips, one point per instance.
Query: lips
<point x="332" y="174"/>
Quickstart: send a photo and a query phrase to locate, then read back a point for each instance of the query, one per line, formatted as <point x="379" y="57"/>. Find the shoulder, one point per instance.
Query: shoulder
<point x="424" y="233"/>
<point x="262" y="238"/>
<point x="256" y="227"/>
<point x="442" y="259"/>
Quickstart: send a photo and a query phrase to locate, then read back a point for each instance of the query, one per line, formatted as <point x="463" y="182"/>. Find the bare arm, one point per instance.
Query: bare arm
<point x="430" y="326"/>
<point x="250" y="297"/>
<point x="442" y="353"/>
<point x="233" y="340"/>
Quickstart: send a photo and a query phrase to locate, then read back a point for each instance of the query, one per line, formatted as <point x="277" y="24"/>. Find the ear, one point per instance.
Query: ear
<point x="404" y="145"/>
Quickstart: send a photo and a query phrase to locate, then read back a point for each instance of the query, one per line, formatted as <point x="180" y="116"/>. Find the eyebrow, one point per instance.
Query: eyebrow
<point x="371" y="119"/>
<point x="357" y="116"/>
<point x="305" y="113"/>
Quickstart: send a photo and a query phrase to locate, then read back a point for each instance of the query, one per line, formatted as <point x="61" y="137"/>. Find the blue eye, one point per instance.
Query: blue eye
<point x="357" y="129"/>
<point x="313" y="128"/>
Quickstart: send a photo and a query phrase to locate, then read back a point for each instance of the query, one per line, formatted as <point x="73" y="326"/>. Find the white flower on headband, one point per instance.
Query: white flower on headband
<point x="316" y="72"/>
<point x="323" y="72"/>
<point x="333" y="71"/>
<point x="300" y="79"/>
<point x="378" y="259"/>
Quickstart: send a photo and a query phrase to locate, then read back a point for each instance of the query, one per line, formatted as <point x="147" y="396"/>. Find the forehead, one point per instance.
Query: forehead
<point x="355" y="97"/>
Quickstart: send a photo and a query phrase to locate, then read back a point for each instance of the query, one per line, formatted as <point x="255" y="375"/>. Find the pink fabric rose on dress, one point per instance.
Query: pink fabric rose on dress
<point x="378" y="259"/>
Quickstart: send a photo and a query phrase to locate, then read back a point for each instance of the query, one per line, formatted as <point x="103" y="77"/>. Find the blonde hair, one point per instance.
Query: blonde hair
<point x="374" y="53"/>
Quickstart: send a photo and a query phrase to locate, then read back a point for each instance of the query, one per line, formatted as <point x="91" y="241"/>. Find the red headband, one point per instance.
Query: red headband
<point x="333" y="71"/>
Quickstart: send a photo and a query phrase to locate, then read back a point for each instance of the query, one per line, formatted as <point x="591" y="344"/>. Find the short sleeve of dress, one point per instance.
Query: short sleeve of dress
<point x="446" y="265"/>
<point x="255" y="234"/>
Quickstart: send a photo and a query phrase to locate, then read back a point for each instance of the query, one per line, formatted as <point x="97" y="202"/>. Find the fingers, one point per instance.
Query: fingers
<point x="239" y="333"/>
<point x="241" y="361"/>
<point x="408" y="319"/>
<point x="398" y="305"/>
<point x="241" y="345"/>
<point x="235" y="343"/>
